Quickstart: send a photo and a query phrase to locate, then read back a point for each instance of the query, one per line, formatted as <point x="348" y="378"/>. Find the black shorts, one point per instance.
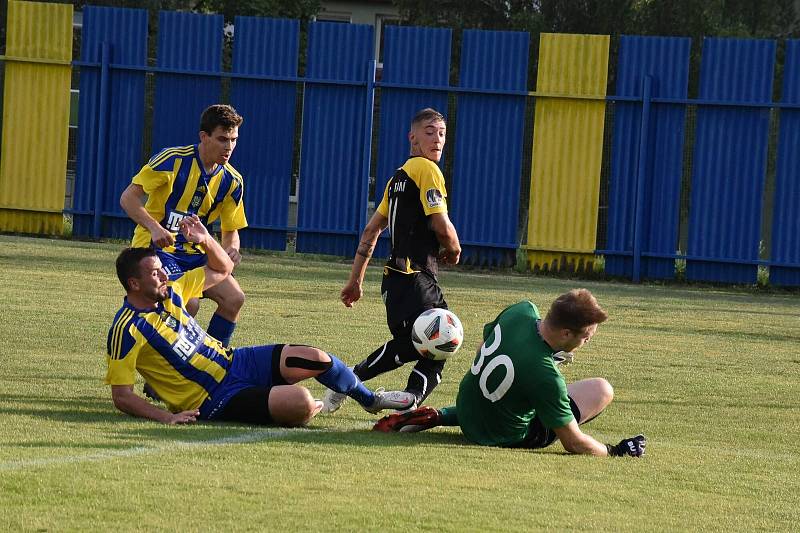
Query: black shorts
<point x="406" y="296"/>
<point x="540" y="436"/>
<point x="250" y="406"/>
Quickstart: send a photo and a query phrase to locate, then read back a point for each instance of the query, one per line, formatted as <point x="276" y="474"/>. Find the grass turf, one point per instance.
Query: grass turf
<point x="711" y="375"/>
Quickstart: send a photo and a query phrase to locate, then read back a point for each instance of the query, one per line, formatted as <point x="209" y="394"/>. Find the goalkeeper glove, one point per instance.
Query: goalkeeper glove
<point x="633" y="446"/>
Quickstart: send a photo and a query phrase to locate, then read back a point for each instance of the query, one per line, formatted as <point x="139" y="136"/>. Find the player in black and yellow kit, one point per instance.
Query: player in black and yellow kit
<point x="414" y="208"/>
<point x="195" y="375"/>
<point x="195" y="179"/>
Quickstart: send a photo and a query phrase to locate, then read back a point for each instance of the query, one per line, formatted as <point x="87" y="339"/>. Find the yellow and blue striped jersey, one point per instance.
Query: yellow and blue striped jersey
<point x="177" y="186"/>
<point x="168" y="348"/>
<point x="414" y="192"/>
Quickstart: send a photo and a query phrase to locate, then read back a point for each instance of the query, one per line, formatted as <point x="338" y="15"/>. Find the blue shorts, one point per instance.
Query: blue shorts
<point x="176" y="264"/>
<point x="252" y="366"/>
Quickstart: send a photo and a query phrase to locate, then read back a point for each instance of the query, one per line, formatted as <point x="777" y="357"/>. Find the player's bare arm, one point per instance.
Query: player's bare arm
<point x="447" y="236"/>
<point x="219" y="265"/>
<point x="231" y="244"/>
<point x="352" y="290"/>
<point x="130" y="403"/>
<point x="576" y="441"/>
<point x="132" y="201"/>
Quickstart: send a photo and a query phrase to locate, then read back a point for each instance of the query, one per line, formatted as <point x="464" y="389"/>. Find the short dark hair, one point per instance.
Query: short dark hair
<point x="219" y="115"/>
<point x="426" y="115"/>
<point x="575" y="310"/>
<point x="128" y="263"/>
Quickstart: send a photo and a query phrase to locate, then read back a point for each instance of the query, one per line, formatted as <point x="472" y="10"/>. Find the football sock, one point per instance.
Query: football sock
<point x="221" y="329"/>
<point x="340" y="378"/>
<point x="425" y="376"/>
<point x="448" y="416"/>
<point x="390" y="356"/>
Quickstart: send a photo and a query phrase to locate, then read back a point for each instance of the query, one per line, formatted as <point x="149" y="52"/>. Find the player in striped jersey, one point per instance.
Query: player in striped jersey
<point x="414" y="208"/>
<point x="195" y="375"/>
<point x="195" y="179"/>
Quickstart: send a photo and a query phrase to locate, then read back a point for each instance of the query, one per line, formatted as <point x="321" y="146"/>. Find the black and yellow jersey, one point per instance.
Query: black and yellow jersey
<point x="177" y="186"/>
<point x="168" y="348"/>
<point x="414" y="192"/>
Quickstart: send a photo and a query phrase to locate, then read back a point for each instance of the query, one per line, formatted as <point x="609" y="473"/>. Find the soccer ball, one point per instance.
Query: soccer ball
<point x="437" y="334"/>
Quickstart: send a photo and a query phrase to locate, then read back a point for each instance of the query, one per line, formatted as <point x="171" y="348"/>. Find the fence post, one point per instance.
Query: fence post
<point x="641" y="176"/>
<point x="102" y="139"/>
<point x="366" y="155"/>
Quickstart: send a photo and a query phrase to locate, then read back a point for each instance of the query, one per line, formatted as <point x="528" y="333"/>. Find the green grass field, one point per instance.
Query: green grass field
<point x="711" y="375"/>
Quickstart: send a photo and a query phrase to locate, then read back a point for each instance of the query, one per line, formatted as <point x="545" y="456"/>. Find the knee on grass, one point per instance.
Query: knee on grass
<point x="292" y="405"/>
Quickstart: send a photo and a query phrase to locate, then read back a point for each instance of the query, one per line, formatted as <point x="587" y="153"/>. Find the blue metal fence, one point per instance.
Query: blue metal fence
<point x="264" y="155"/>
<point x="647" y="163"/>
<point x="186" y="42"/>
<point x="111" y="118"/>
<point x="338" y="88"/>
<point x="730" y="160"/>
<point x="333" y="183"/>
<point x="786" y="210"/>
<point x="489" y="140"/>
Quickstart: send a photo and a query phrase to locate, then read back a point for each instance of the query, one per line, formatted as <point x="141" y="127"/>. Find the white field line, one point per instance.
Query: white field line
<point x="255" y="436"/>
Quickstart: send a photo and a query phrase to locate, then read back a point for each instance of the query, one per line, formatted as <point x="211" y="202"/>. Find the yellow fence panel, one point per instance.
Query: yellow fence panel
<point x="567" y="150"/>
<point x="35" y="117"/>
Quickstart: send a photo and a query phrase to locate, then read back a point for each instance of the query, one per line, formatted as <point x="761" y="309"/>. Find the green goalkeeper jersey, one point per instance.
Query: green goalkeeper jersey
<point x="512" y="379"/>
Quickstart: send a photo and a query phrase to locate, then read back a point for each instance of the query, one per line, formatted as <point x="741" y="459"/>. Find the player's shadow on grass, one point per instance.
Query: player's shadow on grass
<point x="82" y="409"/>
<point x="437" y="438"/>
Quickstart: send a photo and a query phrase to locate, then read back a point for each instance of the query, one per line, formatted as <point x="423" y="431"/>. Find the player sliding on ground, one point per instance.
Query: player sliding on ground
<point x="514" y="395"/>
<point x="195" y="375"/>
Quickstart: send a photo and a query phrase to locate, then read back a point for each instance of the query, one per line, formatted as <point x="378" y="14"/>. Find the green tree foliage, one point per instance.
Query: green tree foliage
<point x="295" y="9"/>
<point x="298" y="9"/>
<point x="740" y="18"/>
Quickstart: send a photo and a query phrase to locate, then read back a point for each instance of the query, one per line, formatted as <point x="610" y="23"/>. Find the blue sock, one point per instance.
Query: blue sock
<point x="341" y="379"/>
<point x="221" y="329"/>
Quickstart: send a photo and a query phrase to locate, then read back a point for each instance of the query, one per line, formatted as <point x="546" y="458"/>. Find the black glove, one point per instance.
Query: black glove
<point x="633" y="446"/>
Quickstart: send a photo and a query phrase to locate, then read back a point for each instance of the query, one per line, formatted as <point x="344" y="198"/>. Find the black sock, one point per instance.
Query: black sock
<point x="424" y="378"/>
<point x="390" y="356"/>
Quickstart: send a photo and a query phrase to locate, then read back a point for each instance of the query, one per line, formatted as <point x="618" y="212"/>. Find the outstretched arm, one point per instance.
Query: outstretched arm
<point x="447" y="237"/>
<point x="132" y="201"/>
<point x="130" y="403"/>
<point x="219" y="265"/>
<point x="576" y="441"/>
<point x="352" y="291"/>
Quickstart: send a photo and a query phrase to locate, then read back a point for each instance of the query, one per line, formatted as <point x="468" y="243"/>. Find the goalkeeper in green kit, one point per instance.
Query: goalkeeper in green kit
<point x="514" y="394"/>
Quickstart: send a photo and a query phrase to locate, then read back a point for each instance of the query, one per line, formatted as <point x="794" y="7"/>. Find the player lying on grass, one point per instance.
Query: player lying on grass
<point x="195" y="375"/>
<point x="514" y="394"/>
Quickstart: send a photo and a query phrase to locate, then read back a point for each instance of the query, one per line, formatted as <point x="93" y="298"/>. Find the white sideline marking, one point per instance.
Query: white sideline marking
<point x="147" y="450"/>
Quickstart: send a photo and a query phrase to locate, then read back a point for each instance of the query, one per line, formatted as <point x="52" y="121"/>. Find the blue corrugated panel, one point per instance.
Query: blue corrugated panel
<point x="666" y="61"/>
<point x="786" y="210"/>
<point x="730" y="156"/>
<point x="264" y="153"/>
<point x="414" y="56"/>
<point x="331" y="183"/>
<point x="186" y="41"/>
<point x="126" y="31"/>
<point x="484" y="195"/>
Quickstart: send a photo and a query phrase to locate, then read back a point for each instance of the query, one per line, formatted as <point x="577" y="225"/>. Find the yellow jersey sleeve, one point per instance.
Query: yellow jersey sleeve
<point x="232" y="216"/>
<point x="150" y="179"/>
<point x="124" y="345"/>
<point x="383" y="207"/>
<point x="432" y="193"/>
